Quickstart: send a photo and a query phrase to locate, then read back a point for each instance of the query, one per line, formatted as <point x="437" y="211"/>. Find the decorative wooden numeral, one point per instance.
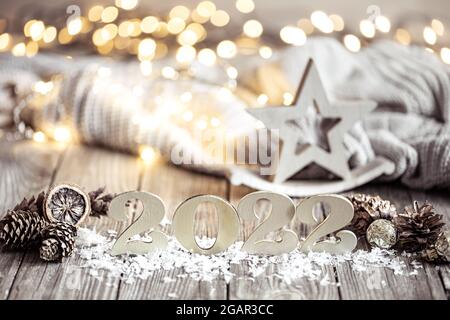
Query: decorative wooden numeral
<point x="152" y="213"/>
<point x="184" y="218"/>
<point x="282" y="212"/>
<point x="340" y="215"/>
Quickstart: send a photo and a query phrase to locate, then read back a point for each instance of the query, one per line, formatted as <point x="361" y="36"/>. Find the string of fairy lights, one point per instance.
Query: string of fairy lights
<point x="182" y="33"/>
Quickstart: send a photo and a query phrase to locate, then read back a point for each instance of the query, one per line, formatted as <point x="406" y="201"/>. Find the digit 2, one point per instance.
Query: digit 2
<point x="281" y="213"/>
<point x="152" y="213"/>
<point x="340" y="215"/>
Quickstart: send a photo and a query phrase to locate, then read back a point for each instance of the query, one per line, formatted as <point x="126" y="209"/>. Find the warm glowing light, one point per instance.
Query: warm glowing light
<point x="207" y="57"/>
<point x="321" y="21"/>
<point x="97" y="37"/>
<point x="306" y="25"/>
<point x="161" y="49"/>
<point x="253" y="28"/>
<point x="367" y="28"/>
<point x="62" y="134"/>
<point x="186" y="54"/>
<point x="104" y="72"/>
<point x="36" y="30"/>
<point x="109" y="14"/>
<point x="39" y="137"/>
<point x="19" y="49"/>
<point x="27" y="26"/>
<point x="262" y="99"/>
<point x="147" y="48"/>
<point x="147" y="154"/>
<point x="226" y="49"/>
<point x="265" y="52"/>
<point x="180" y="12"/>
<point x="429" y="35"/>
<point x="186" y="97"/>
<point x="225" y="93"/>
<point x="146" y="68"/>
<point x="109" y="31"/>
<point x="127" y="4"/>
<point x="338" y="22"/>
<point x="169" y="73"/>
<point x="245" y="6"/>
<point x="220" y="18"/>
<point x="188" y="116"/>
<point x="202" y="124"/>
<point x="352" y="43"/>
<point x="64" y="37"/>
<point x="149" y="24"/>
<point x="74" y="26"/>
<point x="43" y="87"/>
<point x="215" y="122"/>
<point x="95" y="13"/>
<point x="383" y="24"/>
<point x="198" y="29"/>
<point x="403" y="36"/>
<point x="187" y="38"/>
<point x="134" y="28"/>
<point x="161" y="31"/>
<point x="232" y="72"/>
<point x="176" y="25"/>
<point x="288" y="98"/>
<point x="206" y="9"/>
<point x="5" y="41"/>
<point x="49" y="34"/>
<point x="106" y="48"/>
<point x="196" y="17"/>
<point x="438" y="27"/>
<point x="293" y="35"/>
<point x="31" y="49"/>
<point x="445" y="55"/>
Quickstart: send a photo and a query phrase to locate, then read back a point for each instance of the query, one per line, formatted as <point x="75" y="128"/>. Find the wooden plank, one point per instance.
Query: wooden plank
<point x="268" y="285"/>
<point x="379" y="283"/>
<point x="175" y="185"/>
<point x="21" y="176"/>
<point x="89" y="168"/>
<point x="441" y="202"/>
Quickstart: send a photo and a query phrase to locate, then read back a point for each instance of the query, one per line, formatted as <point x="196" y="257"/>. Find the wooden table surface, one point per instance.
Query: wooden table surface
<point x="27" y="168"/>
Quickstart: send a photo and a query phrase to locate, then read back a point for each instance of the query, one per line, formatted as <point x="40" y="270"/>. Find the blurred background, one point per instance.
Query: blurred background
<point x="251" y="23"/>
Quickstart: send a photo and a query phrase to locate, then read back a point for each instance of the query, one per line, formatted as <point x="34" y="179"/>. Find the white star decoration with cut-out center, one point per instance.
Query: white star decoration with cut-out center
<point x="312" y="93"/>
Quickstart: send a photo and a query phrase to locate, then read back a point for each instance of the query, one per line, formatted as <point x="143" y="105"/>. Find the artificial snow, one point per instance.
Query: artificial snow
<point x="94" y="250"/>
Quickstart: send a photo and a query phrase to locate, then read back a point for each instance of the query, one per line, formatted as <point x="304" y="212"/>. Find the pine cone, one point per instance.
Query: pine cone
<point x="33" y="204"/>
<point x="21" y="229"/>
<point x="58" y="241"/>
<point x="418" y="227"/>
<point x="100" y="202"/>
<point x="368" y="209"/>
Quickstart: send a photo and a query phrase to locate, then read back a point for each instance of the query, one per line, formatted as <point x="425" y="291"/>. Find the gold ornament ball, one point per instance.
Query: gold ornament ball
<point x="382" y="233"/>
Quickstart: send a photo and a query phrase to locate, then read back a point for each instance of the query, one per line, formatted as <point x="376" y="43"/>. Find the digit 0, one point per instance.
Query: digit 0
<point x="184" y="219"/>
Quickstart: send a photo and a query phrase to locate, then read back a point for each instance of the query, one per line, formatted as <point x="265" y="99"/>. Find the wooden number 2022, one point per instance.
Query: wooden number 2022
<point x="152" y="213"/>
<point x="340" y="215"/>
<point x="184" y="218"/>
<point x="282" y="212"/>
